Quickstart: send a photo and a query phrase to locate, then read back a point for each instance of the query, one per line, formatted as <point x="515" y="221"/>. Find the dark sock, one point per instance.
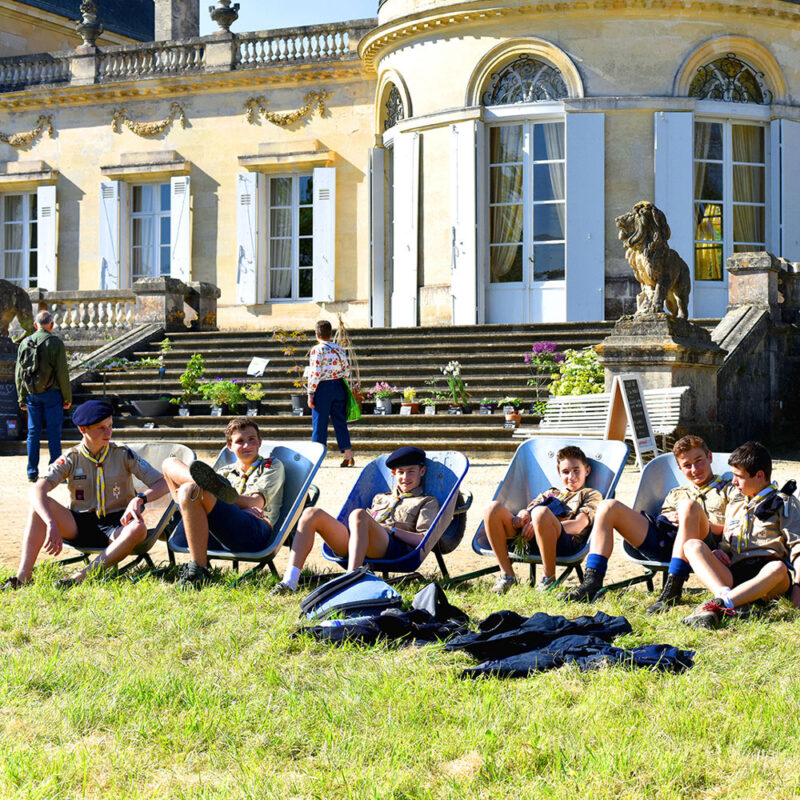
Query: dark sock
<point x="598" y="563"/>
<point x="679" y="567"/>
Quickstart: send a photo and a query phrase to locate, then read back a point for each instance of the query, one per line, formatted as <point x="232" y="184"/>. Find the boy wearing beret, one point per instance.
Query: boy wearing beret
<point x="104" y="509"/>
<point x="394" y="524"/>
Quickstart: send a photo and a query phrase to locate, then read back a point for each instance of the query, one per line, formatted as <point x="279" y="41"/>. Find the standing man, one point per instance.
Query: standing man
<point x="43" y="389"/>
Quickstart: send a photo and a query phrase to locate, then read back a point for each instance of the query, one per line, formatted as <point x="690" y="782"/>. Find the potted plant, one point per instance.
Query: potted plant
<point x="382" y="393"/>
<point x="190" y="383"/>
<point x="511" y="409"/>
<point x="410" y="400"/>
<point x="544" y="363"/>
<point x="289" y="340"/>
<point x="429" y="404"/>
<point x="253" y="393"/>
<point x="221" y="393"/>
<point x="488" y="405"/>
<point x="459" y="397"/>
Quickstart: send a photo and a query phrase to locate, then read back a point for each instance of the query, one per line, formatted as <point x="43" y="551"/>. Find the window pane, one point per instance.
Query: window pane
<point x="136" y="262"/>
<point x="280" y="253"/>
<point x="306" y="190"/>
<point x="280" y="283"/>
<point x="165" y="198"/>
<point x="548" y="181"/>
<point x="708" y="181"/>
<point x="143" y="197"/>
<point x="748" y="184"/>
<point x="165" y="259"/>
<point x="307" y="252"/>
<point x="13" y="267"/>
<point x="708" y="140"/>
<point x="748" y="143"/>
<point x="165" y="231"/>
<point x="505" y="184"/>
<point x="306" y="288"/>
<point x="708" y="222"/>
<point x="748" y="224"/>
<point x="548" y="141"/>
<point x="12" y="237"/>
<point x="708" y="262"/>
<point x="33" y="207"/>
<point x="548" y="222"/>
<point x="505" y="224"/>
<point x="33" y="270"/>
<point x="306" y="221"/>
<point x="280" y="191"/>
<point x="548" y="262"/>
<point x="144" y="232"/>
<point x="505" y="144"/>
<point x="505" y="263"/>
<point x="280" y="222"/>
<point x="33" y="235"/>
<point x="13" y="207"/>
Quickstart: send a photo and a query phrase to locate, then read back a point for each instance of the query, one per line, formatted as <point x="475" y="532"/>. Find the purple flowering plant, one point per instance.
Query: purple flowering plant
<point x="383" y="390"/>
<point x="544" y="361"/>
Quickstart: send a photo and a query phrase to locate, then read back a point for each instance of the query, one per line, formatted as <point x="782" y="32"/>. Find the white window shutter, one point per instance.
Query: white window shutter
<point x="586" y="208"/>
<point x="788" y="208"/>
<point x="47" y="232"/>
<point x="180" y="266"/>
<point x="406" y="225"/>
<point x="109" y="238"/>
<point x="674" y="180"/>
<point x="463" y="275"/>
<point x="324" y="275"/>
<point x="377" y="166"/>
<point x="249" y="190"/>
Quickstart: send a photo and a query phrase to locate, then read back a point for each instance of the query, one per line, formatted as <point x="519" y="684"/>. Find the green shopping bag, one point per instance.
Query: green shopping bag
<point x="353" y="410"/>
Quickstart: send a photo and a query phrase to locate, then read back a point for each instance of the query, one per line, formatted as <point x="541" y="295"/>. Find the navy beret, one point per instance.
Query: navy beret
<point x="406" y="457"/>
<point x="91" y="411"/>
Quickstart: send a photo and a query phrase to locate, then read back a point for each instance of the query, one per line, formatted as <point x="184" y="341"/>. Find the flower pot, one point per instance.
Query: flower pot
<point x="458" y="409"/>
<point x="430" y="410"/>
<point x="184" y="410"/>
<point x="383" y="405"/>
<point x="300" y="405"/>
<point x="513" y="416"/>
<point x="487" y="408"/>
<point x="253" y="408"/>
<point x="216" y="410"/>
<point x="410" y="408"/>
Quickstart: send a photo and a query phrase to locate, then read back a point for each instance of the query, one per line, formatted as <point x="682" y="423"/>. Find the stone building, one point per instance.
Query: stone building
<point x="446" y="163"/>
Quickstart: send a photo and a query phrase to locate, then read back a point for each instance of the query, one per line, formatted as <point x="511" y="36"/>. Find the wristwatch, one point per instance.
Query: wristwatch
<point x="141" y="496"/>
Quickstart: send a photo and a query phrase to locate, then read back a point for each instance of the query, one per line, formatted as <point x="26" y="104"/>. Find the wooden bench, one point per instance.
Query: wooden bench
<point x="586" y="414"/>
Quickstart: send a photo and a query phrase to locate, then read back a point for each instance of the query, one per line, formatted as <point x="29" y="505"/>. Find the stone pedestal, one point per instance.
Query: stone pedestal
<point x="203" y="299"/>
<point x="10" y="414"/>
<point x="160" y="300"/>
<point x="667" y="352"/>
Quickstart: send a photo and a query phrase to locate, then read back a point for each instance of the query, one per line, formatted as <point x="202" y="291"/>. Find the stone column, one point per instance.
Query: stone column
<point x="176" y="19"/>
<point x="754" y="281"/>
<point x="667" y="352"/>
<point x="203" y="299"/>
<point x="160" y="300"/>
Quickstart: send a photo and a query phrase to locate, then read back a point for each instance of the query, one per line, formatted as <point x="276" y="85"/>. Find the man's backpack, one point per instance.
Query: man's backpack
<point x="28" y="358"/>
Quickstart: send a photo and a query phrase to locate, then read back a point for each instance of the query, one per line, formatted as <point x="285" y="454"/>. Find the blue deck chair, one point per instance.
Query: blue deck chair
<point x="158" y="514"/>
<point x="658" y="477"/>
<point x="532" y="470"/>
<point x="301" y="460"/>
<point x="444" y="471"/>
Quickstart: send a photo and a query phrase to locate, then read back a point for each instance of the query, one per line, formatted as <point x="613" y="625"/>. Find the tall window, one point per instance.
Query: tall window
<point x="150" y="230"/>
<point x="20" y="239"/>
<point x="290" y="221"/>
<point x="527" y="208"/>
<point x="729" y="192"/>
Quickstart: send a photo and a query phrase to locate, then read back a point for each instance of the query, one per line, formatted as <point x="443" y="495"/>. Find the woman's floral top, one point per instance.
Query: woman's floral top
<point x="328" y="362"/>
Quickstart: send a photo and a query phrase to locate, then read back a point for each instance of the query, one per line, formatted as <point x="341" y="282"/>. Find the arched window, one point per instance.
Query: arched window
<point x="525" y="80"/>
<point x="394" y="109"/>
<point x="731" y="80"/>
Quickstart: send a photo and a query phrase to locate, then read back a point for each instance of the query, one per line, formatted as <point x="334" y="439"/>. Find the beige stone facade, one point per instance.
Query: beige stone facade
<point x="424" y="228"/>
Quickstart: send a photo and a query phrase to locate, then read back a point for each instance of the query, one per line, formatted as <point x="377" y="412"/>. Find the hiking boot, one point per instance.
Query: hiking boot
<point x="503" y="583"/>
<point x="587" y="590"/>
<point x="32" y="477"/>
<point x="282" y="588"/>
<point x="12" y="584"/>
<point x="208" y="480"/>
<point x="670" y="594"/>
<point x="546" y="583"/>
<point x="193" y="576"/>
<point x="709" y="615"/>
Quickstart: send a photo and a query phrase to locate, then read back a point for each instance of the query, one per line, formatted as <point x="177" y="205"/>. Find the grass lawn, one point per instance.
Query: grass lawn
<point x="123" y="690"/>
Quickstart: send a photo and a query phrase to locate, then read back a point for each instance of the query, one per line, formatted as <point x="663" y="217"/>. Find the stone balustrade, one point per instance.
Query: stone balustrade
<point x="133" y="62"/>
<point x="295" y="44"/>
<point x="96" y="314"/>
<point x="20" y="72"/>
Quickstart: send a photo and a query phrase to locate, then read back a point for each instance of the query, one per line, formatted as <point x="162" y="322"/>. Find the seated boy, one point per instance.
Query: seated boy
<point x="235" y="508"/>
<point x="556" y="522"/>
<point x="762" y="533"/>
<point x="394" y="524"/>
<point x="696" y="510"/>
<point x="104" y="509"/>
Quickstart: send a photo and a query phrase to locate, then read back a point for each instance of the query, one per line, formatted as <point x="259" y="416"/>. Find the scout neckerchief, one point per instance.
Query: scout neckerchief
<point x="100" y="481"/>
<point x="715" y="483"/>
<point x="397" y="498"/>
<point x="749" y="509"/>
<point x="247" y="473"/>
<point x="563" y="494"/>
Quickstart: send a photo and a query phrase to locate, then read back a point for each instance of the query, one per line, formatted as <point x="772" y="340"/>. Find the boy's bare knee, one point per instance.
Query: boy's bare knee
<point x="775" y="570"/>
<point x="358" y="515"/>
<point x="308" y="516"/>
<point x="686" y="507"/>
<point x="494" y="508"/>
<point x="693" y="547"/>
<point x="187" y="493"/>
<point x="539" y="514"/>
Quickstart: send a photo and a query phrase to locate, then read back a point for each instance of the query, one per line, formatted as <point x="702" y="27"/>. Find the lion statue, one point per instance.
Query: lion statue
<point x="662" y="273"/>
<point x="14" y="302"/>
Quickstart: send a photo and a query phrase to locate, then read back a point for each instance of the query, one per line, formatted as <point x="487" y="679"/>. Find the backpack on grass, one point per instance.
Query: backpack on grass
<point x="359" y="593"/>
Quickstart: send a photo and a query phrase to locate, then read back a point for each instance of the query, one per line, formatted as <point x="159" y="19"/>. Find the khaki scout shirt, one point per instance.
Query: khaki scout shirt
<point x="713" y="500"/>
<point x="777" y="536"/>
<point x="266" y="479"/>
<point x="119" y="467"/>
<point x="584" y="501"/>
<point x="415" y="513"/>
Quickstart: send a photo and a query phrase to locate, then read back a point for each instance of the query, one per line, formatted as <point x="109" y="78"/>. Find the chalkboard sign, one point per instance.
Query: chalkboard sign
<point x="9" y="407"/>
<point x="627" y="407"/>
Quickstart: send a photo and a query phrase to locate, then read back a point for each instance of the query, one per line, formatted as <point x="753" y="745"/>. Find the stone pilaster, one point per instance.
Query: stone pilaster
<point x="160" y="300"/>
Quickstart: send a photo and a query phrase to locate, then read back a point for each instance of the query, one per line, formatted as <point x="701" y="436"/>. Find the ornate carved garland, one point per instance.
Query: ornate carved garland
<point x="44" y="123"/>
<point x="256" y="106"/>
<point x="148" y="129"/>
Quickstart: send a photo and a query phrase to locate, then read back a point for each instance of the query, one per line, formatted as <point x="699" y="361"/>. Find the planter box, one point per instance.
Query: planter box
<point x="154" y="408"/>
<point x="300" y="405"/>
<point x="253" y="409"/>
<point x="487" y="408"/>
